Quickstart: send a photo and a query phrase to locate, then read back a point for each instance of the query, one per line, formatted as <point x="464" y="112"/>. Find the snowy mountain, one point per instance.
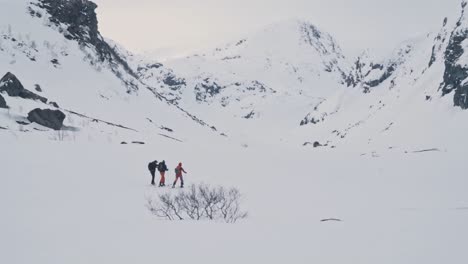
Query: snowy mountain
<point x="265" y="87"/>
<point x="411" y="93"/>
<point x="267" y="82"/>
<point x="262" y="83"/>
<point x="338" y="160"/>
<point x="55" y="46"/>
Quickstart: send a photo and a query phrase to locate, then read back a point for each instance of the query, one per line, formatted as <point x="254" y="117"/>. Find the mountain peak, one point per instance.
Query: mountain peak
<point x="294" y="39"/>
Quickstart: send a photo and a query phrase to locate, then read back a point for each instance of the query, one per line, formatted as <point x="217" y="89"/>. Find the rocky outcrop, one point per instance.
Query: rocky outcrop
<point x="38" y="88"/>
<point x="79" y="16"/>
<point x="439" y="43"/>
<point x="46" y="117"/>
<point x="207" y="88"/>
<point x="456" y="73"/>
<point x="325" y="45"/>
<point x="13" y="87"/>
<point x="173" y="81"/>
<point x="3" y="103"/>
<point x="368" y="74"/>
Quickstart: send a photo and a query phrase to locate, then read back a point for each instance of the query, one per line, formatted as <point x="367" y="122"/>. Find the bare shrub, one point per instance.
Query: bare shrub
<point x="199" y="202"/>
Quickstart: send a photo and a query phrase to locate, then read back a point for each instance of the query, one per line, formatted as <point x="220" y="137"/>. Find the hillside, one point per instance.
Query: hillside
<point x="336" y="159"/>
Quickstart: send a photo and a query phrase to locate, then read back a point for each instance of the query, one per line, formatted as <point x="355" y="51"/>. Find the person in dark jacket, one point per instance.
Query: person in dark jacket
<point x="152" y="168"/>
<point x="178" y="172"/>
<point x="162" y="168"/>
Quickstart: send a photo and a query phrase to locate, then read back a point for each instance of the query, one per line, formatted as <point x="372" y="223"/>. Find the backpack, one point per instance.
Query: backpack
<point x="176" y="170"/>
<point x="152" y="165"/>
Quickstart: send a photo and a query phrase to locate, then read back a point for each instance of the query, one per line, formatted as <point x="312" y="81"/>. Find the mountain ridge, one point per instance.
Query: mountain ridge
<point x="267" y="81"/>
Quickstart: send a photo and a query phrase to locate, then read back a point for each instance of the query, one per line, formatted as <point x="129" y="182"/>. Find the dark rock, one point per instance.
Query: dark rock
<point x="38" y="88"/>
<point x="54" y="104"/>
<point x="388" y="72"/>
<point x="55" y="62"/>
<point x="331" y="220"/>
<point x="147" y="67"/>
<point x="240" y="42"/>
<point x="461" y="97"/>
<point x="172" y="80"/>
<point x="427" y="150"/>
<point x="308" y="119"/>
<point x="316" y="144"/>
<point x="13" y="87"/>
<point x="10" y="84"/>
<point x="207" y="89"/>
<point x="455" y="73"/>
<point x="3" y="103"/>
<point x="438" y="44"/>
<point x="155" y="66"/>
<point x="22" y="123"/>
<point x="47" y="117"/>
<point x="79" y="16"/>
<point x="250" y="115"/>
<point x="258" y="86"/>
<point x="362" y="69"/>
<point x="167" y="129"/>
<point x="138" y="142"/>
<point x="123" y="143"/>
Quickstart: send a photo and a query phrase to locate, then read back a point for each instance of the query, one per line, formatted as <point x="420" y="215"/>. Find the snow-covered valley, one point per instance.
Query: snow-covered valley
<point x="338" y="160"/>
<point x="67" y="202"/>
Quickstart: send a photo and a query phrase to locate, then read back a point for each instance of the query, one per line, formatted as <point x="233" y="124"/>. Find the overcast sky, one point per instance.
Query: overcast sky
<point x="142" y="25"/>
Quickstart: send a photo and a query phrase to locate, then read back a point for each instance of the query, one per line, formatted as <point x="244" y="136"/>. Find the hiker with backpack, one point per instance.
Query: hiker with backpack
<point x="152" y="168"/>
<point x="162" y="168"/>
<point x="178" y="172"/>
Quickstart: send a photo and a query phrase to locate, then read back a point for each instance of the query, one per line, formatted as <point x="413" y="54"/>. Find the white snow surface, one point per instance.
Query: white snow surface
<point x="84" y="203"/>
<point x="393" y="170"/>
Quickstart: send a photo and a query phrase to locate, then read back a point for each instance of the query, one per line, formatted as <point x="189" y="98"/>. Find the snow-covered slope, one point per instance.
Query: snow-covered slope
<point x="276" y="84"/>
<point x="56" y="48"/>
<point x="387" y="186"/>
<point x="414" y="99"/>
<point x="260" y="84"/>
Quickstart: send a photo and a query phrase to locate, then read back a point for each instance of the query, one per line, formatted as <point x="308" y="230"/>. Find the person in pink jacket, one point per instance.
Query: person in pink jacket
<point x="178" y="172"/>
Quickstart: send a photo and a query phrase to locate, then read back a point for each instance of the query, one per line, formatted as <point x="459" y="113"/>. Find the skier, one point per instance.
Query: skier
<point x="162" y="168"/>
<point x="178" y="172"/>
<point x="152" y="168"/>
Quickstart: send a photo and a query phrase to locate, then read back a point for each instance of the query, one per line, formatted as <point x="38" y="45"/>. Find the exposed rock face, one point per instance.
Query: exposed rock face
<point x="439" y="43"/>
<point x="172" y="81"/>
<point x="456" y="73"/>
<point x="13" y="87"/>
<point x="325" y="45"/>
<point x="78" y="15"/>
<point x="54" y="104"/>
<point x="3" y="103"/>
<point x="207" y="88"/>
<point x="82" y="25"/>
<point x="47" y="117"/>
<point x="369" y="74"/>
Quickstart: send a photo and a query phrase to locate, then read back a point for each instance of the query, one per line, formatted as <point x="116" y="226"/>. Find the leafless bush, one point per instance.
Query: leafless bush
<point x="199" y="202"/>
